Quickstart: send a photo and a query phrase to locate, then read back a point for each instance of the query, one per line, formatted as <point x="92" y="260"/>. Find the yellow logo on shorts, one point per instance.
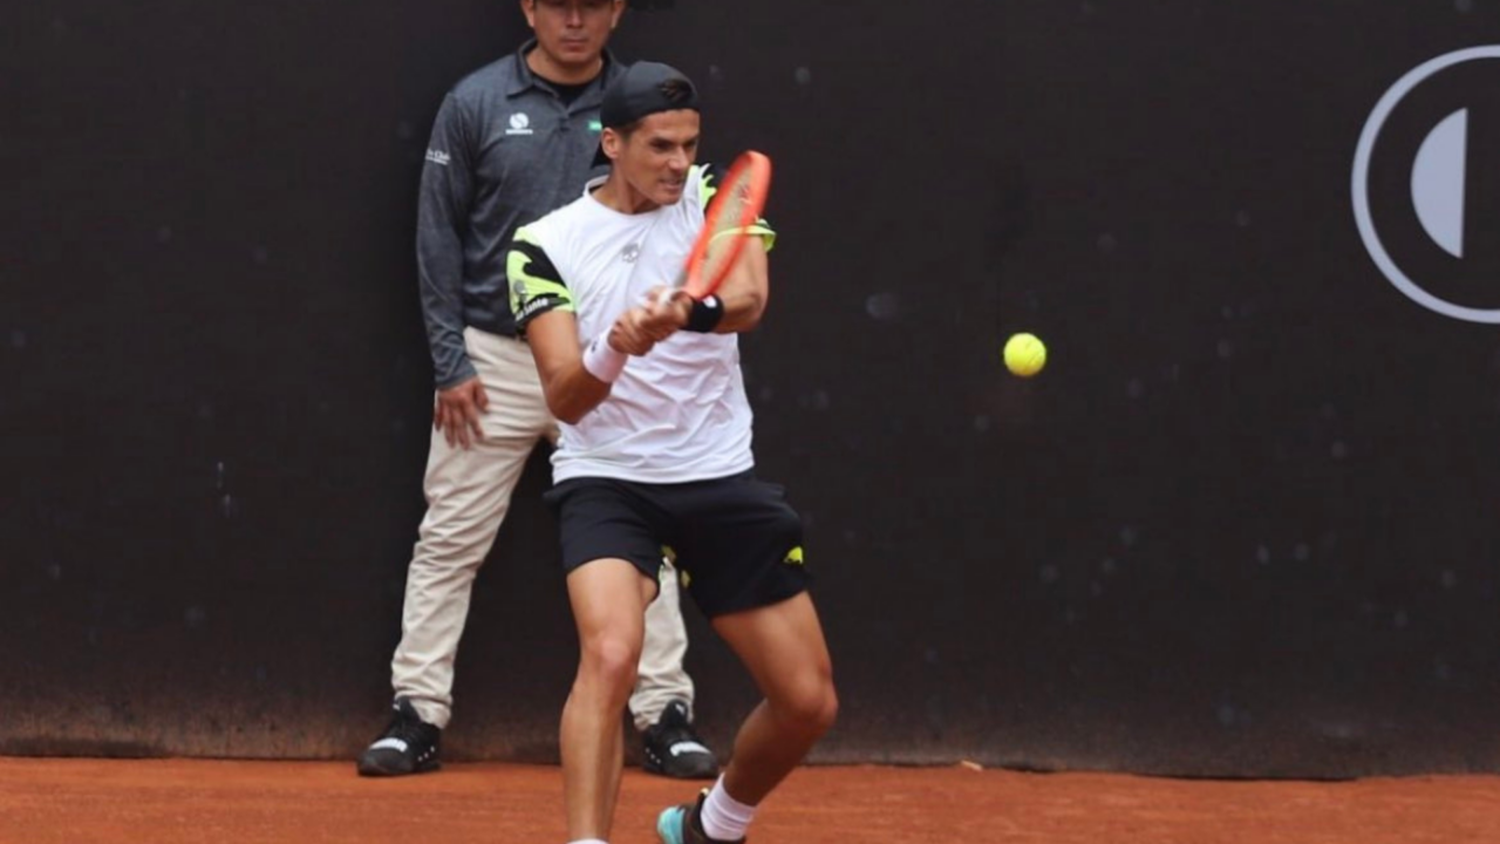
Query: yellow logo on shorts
<point x="794" y="557"/>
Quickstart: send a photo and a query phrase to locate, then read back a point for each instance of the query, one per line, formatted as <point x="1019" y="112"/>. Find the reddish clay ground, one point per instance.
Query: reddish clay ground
<point x="164" y="802"/>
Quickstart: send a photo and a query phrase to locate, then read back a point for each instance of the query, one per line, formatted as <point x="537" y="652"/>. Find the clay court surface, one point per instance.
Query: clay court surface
<point x="167" y="801"/>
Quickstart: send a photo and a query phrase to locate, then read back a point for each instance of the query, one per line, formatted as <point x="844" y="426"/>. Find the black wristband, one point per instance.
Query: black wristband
<point x="705" y="315"/>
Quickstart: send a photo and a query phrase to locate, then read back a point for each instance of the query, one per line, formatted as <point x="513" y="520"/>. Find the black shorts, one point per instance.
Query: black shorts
<point x="735" y="540"/>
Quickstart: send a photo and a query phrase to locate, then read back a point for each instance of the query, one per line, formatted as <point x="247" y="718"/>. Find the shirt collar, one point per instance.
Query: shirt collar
<point x="523" y="79"/>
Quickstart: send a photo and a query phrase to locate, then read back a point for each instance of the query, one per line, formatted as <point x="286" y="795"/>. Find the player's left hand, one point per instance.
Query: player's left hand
<point x="666" y="311"/>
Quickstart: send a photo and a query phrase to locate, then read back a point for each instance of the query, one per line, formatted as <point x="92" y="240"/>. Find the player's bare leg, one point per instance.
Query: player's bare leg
<point x="782" y="645"/>
<point x="609" y="600"/>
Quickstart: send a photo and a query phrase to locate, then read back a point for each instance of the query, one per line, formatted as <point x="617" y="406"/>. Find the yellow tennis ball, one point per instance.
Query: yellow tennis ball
<point x="1025" y="355"/>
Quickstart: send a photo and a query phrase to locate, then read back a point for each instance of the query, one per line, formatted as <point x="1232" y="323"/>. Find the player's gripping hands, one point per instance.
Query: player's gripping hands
<point x="664" y="313"/>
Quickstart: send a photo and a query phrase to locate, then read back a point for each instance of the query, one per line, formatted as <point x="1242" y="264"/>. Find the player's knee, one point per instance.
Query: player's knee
<point x="611" y="658"/>
<point x="828" y="708"/>
<point x="812" y="704"/>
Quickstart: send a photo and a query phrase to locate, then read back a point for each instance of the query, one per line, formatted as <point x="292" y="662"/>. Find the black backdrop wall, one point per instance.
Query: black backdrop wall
<point x="1247" y="522"/>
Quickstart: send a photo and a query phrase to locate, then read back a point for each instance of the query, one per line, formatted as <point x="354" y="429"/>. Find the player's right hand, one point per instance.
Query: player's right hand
<point x="457" y="410"/>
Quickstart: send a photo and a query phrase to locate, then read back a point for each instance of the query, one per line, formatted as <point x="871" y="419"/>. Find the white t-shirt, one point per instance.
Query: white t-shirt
<point x="676" y="414"/>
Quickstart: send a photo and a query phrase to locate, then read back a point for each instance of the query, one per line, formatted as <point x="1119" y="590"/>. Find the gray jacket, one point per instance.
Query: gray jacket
<point x="505" y="150"/>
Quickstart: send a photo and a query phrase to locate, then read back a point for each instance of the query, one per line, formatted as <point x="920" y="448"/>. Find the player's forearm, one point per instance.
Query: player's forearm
<point x="574" y="382"/>
<point x="573" y="391"/>
<point x="742" y="312"/>
<point x="745" y="292"/>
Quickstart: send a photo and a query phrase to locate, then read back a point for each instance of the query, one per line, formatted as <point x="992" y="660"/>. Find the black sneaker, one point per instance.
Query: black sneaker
<point x="674" y="750"/>
<point x="408" y="746"/>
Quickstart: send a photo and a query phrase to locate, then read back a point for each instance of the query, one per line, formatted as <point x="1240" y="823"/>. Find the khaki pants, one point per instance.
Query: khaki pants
<point x="468" y="493"/>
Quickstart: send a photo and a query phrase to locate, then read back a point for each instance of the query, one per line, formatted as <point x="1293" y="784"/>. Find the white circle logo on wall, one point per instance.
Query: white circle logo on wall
<point x="1439" y="179"/>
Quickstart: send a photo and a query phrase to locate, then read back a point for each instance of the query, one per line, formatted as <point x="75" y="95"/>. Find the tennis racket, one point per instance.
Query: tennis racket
<point x="732" y="214"/>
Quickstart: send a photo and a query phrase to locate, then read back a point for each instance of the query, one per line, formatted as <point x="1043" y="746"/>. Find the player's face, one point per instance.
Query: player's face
<point x="572" y="33"/>
<point x="655" y="158"/>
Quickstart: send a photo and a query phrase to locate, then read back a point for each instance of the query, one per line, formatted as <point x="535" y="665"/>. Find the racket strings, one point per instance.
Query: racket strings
<point x="729" y="221"/>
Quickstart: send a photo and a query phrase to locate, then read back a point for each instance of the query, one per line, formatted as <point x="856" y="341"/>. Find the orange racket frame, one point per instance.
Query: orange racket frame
<point x="753" y="169"/>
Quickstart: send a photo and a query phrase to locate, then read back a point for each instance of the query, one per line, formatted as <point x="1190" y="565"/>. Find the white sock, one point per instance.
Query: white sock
<point x="589" y="841"/>
<point x="725" y="818"/>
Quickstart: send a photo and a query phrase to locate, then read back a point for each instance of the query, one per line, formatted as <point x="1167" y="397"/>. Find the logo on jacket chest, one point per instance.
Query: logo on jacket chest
<point x="630" y="253"/>
<point x="520" y="124"/>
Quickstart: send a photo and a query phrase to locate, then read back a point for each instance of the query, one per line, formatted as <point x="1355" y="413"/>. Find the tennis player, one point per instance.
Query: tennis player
<point x="655" y="453"/>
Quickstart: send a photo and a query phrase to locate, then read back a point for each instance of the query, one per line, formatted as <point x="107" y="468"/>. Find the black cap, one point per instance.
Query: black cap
<point x="645" y="89"/>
